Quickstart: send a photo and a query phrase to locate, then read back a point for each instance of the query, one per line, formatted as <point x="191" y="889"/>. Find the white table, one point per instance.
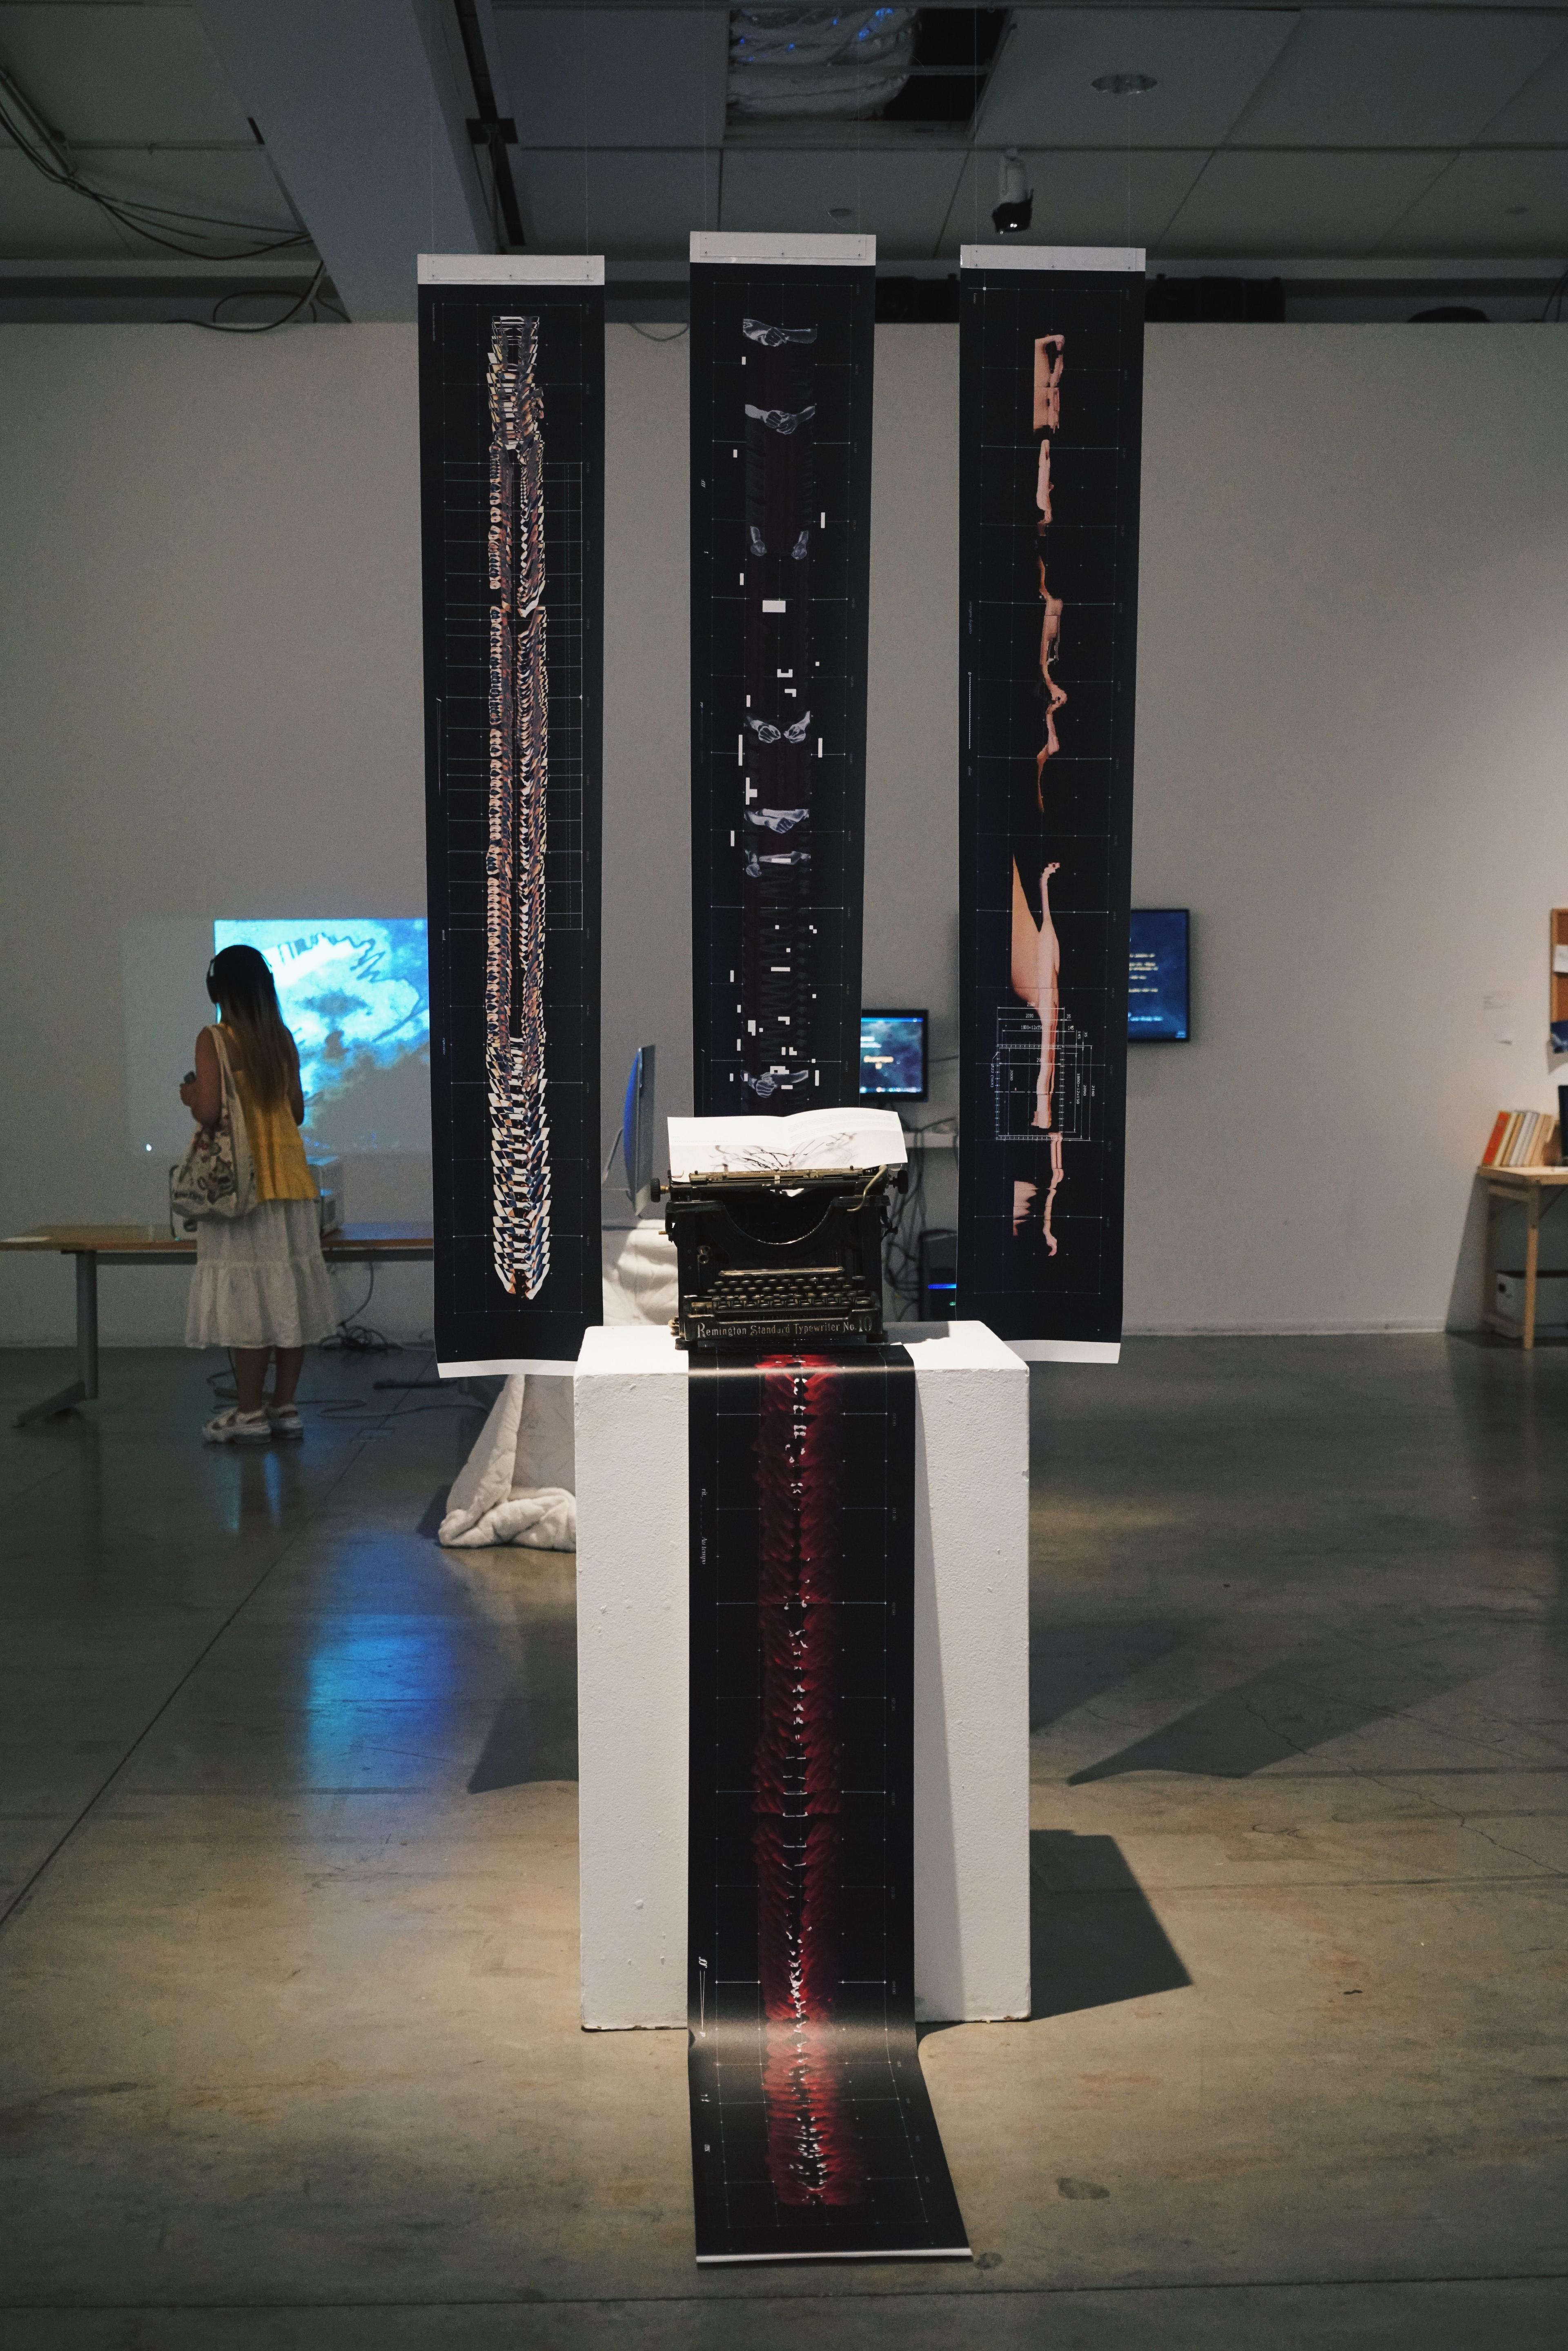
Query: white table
<point x="971" y="1676"/>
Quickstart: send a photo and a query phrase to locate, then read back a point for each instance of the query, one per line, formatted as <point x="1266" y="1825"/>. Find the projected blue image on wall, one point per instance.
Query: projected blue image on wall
<point x="1158" y="975"/>
<point x="356" y="995"/>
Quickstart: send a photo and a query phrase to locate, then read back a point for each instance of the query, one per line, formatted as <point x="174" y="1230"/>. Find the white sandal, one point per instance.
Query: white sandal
<point x="236" y="1427"/>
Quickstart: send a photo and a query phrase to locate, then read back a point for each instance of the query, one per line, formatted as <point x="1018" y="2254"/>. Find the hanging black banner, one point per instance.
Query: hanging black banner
<point x="1050" y="399"/>
<point x="511" y="384"/>
<point x="781" y="396"/>
<point x="812" y="2134"/>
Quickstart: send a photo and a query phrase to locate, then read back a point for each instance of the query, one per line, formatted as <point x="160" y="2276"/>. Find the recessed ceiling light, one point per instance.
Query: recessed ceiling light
<point x="1123" y="85"/>
<point x="839" y="212"/>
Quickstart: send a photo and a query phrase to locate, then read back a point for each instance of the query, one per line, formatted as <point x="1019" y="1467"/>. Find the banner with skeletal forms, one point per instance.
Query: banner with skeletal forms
<point x="781" y="381"/>
<point x="1051" y="396"/>
<point x="512" y="460"/>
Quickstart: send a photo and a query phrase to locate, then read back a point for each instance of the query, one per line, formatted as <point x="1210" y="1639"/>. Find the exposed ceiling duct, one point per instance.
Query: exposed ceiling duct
<point x="832" y="64"/>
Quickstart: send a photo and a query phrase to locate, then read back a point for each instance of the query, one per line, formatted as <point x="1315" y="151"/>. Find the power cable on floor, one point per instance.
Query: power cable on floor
<point x="354" y="1337"/>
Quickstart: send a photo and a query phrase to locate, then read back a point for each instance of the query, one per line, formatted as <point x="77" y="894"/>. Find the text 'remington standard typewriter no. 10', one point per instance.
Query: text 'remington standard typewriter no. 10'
<point x="778" y="1225"/>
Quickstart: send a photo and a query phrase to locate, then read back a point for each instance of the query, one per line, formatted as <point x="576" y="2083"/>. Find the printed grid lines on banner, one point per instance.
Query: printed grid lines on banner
<point x="1050" y="403"/>
<point x="812" y="2132"/>
<point x="781" y="362"/>
<point x="511" y="410"/>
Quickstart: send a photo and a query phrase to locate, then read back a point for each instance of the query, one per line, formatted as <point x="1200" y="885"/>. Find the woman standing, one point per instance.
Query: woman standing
<point x="261" y="1287"/>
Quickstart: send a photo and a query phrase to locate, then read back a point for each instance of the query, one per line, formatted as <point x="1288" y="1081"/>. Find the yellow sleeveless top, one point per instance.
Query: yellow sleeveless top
<point x="276" y="1147"/>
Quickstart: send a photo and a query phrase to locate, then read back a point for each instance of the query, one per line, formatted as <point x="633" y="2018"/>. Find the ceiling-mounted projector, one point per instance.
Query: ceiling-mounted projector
<point x="1016" y="209"/>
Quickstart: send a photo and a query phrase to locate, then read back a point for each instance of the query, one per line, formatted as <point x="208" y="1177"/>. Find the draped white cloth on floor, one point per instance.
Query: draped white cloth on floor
<point x="517" y="1484"/>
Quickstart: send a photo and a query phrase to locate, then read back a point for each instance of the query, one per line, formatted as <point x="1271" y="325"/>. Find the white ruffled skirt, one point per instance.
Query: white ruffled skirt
<point x="261" y="1279"/>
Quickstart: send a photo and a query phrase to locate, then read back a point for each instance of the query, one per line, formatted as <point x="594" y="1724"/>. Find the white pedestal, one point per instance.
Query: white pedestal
<point x="971" y="1676"/>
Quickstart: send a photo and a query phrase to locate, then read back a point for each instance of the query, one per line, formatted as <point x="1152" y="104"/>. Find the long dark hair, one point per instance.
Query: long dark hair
<point x="240" y="984"/>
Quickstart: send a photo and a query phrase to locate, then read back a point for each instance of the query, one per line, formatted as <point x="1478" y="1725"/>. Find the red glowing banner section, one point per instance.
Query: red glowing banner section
<point x="797" y="1773"/>
<point x="812" y="2135"/>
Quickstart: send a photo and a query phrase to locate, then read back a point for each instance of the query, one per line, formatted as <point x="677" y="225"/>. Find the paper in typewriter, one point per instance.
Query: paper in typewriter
<point x="812" y="2132"/>
<point x="780" y="488"/>
<point x="848" y="1138"/>
<point x="511" y="442"/>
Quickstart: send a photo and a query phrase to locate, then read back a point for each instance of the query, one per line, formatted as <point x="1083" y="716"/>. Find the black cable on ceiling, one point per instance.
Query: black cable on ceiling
<point x="49" y="157"/>
<point x="216" y="325"/>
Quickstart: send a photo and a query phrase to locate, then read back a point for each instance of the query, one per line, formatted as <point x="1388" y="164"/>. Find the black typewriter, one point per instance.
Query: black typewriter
<point x="790" y="1256"/>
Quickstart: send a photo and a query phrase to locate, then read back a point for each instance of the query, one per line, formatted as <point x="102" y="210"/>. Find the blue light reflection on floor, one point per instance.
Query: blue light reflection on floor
<point x="390" y="1687"/>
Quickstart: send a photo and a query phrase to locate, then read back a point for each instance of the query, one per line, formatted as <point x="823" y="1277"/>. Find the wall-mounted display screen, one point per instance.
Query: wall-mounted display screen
<point x="1157" y="1001"/>
<point x="893" y="1056"/>
<point x="356" y="995"/>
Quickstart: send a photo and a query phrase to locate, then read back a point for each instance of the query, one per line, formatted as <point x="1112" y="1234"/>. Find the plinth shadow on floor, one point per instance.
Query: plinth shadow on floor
<point x="534" y="1735"/>
<point x="1094" y="1938"/>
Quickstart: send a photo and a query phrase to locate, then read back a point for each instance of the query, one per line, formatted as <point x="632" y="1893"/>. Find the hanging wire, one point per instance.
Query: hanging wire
<point x="219" y="325"/>
<point x="860" y="129"/>
<point x="158" y="224"/>
<point x="707" y="131"/>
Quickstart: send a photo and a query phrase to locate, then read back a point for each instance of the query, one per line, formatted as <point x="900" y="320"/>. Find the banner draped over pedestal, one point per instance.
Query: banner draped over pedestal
<point x="511" y="358"/>
<point x="1050" y="397"/>
<point x="812" y="2132"/>
<point x="781" y="343"/>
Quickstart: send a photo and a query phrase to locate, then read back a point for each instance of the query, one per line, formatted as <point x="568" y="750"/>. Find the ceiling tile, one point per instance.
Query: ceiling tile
<point x="135" y="74"/>
<point x="616" y="76"/>
<point x="1472" y="209"/>
<point x="902" y="200"/>
<point x="630" y="206"/>
<point x="1538" y="112"/>
<point x="43" y="222"/>
<point x="1396" y="78"/>
<point x="40" y="222"/>
<point x="1078" y="198"/>
<point x="1207" y="63"/>
<point x="1329" y="206"/>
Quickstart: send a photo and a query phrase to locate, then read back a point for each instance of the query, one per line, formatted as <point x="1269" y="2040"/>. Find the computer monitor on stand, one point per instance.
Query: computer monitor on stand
<point x="637" y="1130"/>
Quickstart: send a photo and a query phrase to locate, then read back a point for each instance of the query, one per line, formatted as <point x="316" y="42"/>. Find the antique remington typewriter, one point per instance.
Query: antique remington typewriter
<point x="781" y="1254"/>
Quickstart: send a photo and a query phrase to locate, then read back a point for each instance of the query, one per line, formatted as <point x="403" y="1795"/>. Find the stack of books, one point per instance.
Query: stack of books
<point x="1523" y="1138"/>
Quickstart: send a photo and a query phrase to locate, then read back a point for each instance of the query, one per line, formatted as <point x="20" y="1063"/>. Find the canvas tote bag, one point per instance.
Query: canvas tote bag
<point x="216" y="1177"/>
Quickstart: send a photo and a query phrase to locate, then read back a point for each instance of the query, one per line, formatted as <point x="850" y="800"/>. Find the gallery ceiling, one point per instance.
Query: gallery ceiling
<point x="292" y="145"/>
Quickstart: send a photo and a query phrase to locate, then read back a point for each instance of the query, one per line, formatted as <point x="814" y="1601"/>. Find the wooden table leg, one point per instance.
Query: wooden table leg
<point x="1532" y="1259"/>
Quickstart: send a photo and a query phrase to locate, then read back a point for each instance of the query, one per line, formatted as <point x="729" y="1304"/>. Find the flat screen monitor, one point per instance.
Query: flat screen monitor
<point x="1157" y="1007"/>
<point x="637" y="1130"/>
<point x="893" y="1056"/>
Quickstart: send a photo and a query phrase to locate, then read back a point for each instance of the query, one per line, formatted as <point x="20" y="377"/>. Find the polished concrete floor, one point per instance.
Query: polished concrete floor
<point x="288" y="2050"/>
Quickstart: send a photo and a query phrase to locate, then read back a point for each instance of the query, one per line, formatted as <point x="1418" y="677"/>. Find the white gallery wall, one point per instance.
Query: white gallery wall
<point x="1353" y="730"/>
